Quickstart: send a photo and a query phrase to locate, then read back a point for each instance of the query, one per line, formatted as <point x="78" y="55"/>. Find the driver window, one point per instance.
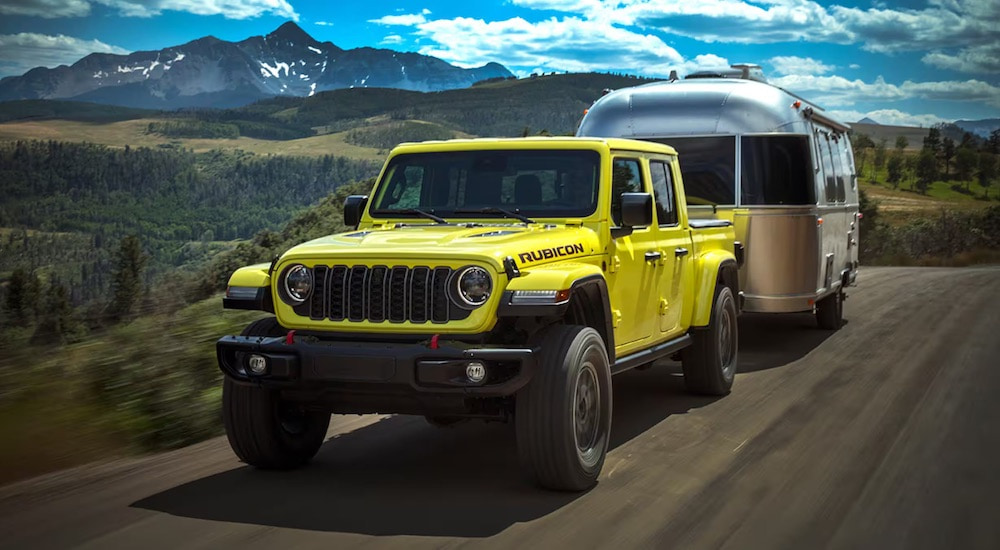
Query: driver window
<point x="626" y="177"/>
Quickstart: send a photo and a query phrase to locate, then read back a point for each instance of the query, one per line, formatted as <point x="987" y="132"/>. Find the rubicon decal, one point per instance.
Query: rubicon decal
<point x="546" y="253"/>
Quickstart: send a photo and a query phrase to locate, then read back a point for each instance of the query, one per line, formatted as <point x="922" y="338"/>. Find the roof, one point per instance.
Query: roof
<point x="701" y="106"/>
<point x="528" y="143"/>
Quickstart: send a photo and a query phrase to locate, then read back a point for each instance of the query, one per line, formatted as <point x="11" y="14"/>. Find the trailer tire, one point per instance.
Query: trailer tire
<point x="709" y="363"/>
<point x="264" y="431"/>
<point x="563" y="416"/>
<point x="830" y="311"/>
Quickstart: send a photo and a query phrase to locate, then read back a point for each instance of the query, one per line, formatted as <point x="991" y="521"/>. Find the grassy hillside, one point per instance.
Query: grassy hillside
<point x="360" y="123"/>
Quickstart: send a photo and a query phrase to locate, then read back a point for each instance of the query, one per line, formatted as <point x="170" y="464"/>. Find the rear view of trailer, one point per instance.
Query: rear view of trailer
<point x="771" y="162"/>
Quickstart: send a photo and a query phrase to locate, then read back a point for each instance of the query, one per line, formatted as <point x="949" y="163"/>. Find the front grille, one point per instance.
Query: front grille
<point x="380" y="293"/>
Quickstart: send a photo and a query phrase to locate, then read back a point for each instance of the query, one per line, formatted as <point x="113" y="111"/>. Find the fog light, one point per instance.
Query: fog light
<point x="257" y="364"/>
<point x="475" y="372"/>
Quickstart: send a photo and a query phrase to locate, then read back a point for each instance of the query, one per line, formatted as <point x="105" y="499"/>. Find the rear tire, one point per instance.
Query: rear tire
<point x="563" y="417"/>
<point x="830" y="311"/>
<point x="264" y="431"/>
<point x="709" y="363"/>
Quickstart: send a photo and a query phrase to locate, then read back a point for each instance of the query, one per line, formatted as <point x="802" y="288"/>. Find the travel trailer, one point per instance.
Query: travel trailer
<point x="769" y="161"/>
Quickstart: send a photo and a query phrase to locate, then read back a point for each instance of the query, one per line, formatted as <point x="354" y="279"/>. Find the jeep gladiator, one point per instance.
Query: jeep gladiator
<point x="499" y="279"/>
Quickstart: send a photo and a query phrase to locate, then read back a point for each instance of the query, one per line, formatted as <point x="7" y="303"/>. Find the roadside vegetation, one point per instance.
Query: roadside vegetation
<point x="936" y="206"/>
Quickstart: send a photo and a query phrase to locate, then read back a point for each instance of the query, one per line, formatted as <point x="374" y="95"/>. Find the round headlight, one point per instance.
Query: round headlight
<point x="474" y="286"/>
<point x="298" y="283"/>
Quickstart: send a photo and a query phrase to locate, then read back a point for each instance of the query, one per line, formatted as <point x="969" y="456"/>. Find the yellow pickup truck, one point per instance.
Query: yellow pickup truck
<point x="499" y="279"/>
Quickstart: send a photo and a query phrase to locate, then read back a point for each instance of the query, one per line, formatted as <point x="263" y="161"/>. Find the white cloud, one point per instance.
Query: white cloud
<point x="799" y="65"/>
<point x="854" y="66"/>
<point x="975" y="60"/>
<point x="45" y="8"/>
<point x="889" y="117"/>
<point x="944" y="24"/>
<point x="323" y="24"/>
<point x="230" y="9"/>
<point x="839" y="91"/>
<point x="27" y="50"/>
<point x="425" y="11"/>
<point x="569" y="44"/>
<point x="391" y="39"/>
<point x="406" y="20"/>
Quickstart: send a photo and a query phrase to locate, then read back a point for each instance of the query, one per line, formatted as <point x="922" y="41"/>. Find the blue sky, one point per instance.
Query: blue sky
<point x="914" y="62"/>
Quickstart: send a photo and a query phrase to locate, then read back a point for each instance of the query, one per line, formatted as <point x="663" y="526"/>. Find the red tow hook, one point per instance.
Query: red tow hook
<point x="290" y="338"/>
<point x="434" y="341"/>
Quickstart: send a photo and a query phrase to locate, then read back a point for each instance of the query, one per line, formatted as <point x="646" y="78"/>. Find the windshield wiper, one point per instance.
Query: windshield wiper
<point x="422" y="213"/>
<point x="495" y="210"/>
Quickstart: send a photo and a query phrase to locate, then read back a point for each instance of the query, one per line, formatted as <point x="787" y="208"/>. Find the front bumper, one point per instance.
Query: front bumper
<point x="310" y="363"/>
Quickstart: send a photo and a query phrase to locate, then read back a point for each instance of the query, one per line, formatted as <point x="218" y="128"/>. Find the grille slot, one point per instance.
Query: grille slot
<point x="396" y="294"/>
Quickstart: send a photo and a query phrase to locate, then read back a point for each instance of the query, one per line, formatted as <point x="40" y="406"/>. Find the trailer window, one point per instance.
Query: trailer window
<point x="829" y="176"/>
<point x="839" y="167"/>
<point x="708" y="167"/>
<point x="776" y="170"/>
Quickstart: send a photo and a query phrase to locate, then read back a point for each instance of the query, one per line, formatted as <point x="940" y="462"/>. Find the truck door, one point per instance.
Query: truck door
<point x="633" y="276"/>
<point x="675" y="245"/>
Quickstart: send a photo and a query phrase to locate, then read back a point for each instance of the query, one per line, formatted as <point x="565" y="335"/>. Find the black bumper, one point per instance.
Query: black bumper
<point x="314" y="364"/>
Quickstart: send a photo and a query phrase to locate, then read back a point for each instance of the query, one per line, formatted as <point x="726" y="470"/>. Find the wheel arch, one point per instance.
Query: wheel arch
<point x="716" y="270"/>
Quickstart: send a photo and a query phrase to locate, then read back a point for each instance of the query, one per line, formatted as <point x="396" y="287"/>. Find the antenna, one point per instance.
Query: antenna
<point x="746" y="69"/>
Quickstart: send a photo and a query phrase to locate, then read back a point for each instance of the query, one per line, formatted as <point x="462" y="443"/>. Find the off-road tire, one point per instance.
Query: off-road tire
<point x="709" y="363"/>
<point x="568" y="400"/>
<point x="264" y="431"/>
<point x="830" y="311"/>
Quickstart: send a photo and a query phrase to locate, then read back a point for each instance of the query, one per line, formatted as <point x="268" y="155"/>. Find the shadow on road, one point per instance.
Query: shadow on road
<point x="401" y="476"/>
<point x="768" y="341"/>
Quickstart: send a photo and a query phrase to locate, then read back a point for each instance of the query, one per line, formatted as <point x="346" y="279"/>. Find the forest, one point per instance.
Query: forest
<point x="68" y="206"/>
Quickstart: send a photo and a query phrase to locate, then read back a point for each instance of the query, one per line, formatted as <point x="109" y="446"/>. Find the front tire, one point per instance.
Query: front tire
<point x="563" y="417"/>
<point x="265" y="431"/>
<point x="709" y="363"/>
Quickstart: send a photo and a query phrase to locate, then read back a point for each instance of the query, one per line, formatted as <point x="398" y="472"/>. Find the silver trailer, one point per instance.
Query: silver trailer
<point x="765" y="159"/>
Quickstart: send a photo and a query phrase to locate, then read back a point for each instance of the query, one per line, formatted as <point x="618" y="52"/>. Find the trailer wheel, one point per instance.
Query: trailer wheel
<point x="830" y="311"/>
<point x="265" y="431"/>
<point x="709" y="363"/>
<point x="563" y="416"/>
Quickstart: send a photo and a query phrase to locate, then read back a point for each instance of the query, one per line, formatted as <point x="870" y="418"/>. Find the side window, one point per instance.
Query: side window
<point x="839" y="167"/>
<point x="829" y="176"/>
<point x="663" y="192"/>
<point x="626" y="177"/>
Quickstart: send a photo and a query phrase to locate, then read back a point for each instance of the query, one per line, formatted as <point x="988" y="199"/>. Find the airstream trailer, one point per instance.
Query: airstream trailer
<point x="770" y="162"/>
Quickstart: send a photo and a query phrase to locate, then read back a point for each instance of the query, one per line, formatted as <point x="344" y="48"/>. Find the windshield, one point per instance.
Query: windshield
<point x="535" y="184"/>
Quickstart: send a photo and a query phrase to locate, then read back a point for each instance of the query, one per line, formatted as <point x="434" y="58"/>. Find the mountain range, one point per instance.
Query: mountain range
<point x="209" y="72"/>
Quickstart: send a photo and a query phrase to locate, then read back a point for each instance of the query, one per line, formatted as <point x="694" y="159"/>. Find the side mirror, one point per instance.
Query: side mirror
<point x="637" y="209"/>
<point x="354" y="205"/>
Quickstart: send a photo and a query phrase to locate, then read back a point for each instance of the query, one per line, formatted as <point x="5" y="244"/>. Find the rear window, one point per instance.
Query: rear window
<point x="708" y="167"/>
<point x="776" y="170"/>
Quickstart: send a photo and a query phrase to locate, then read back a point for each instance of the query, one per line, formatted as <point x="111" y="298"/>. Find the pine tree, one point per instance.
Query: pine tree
<point x="22" y="296"/>
<point x="126" y="283"/>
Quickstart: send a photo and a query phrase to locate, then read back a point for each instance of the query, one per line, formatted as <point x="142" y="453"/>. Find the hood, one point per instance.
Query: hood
<point x="533" y="244"/>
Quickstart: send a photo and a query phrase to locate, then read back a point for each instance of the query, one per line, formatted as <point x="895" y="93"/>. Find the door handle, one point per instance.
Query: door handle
<point x="680" y="252"/>
<point x="653" y="256"/>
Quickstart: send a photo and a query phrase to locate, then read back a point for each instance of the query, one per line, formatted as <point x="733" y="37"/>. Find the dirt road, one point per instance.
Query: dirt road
<point x="885" y="434"/>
